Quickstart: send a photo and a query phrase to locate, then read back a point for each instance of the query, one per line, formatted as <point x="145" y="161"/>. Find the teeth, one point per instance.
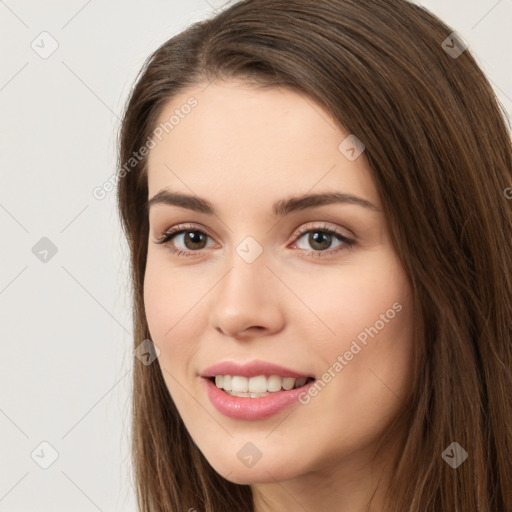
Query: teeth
<point x="258" y="384"/>
<point x="226" y="382"/>
<point x="288" y="383"/>
<point x="274" y="383"/>
<point x="300" y="382"/>
<point x="254" y="387"/>
<point x="239" y="384"/>
<point x="247" y="395"/>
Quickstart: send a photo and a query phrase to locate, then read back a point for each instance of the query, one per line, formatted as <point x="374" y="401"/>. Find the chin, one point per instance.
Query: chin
<point x="262" y="471"/>
<point x="250" y="476"/>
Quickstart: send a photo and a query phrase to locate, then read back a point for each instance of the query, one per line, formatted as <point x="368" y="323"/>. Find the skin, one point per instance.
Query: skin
<point x="243" y="148"/>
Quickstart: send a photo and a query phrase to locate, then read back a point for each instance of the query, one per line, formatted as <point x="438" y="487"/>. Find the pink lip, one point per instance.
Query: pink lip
<point x="251" y="369"/>
<point x="252" y="408"/>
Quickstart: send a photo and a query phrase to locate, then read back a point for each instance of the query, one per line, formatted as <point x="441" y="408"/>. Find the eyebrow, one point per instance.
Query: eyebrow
<point x="279" y="208"/>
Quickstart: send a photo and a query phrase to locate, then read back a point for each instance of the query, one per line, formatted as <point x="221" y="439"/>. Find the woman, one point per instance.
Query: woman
<point x="314" y="194"/>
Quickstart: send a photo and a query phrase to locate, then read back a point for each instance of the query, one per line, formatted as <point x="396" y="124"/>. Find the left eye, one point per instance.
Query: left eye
<point x="320" y="238"/>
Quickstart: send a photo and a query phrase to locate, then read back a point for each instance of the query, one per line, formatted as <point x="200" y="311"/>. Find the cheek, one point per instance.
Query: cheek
<point x="157" y="302"/>
<point x="158" y="305"/>
<point x="368" y="363"/>
<point x="163" y="313"/>
<point x="175" y="317"/>
<point x="370" y="314"/>
<point x="169" y="298"/>
<point x="167" y="318"/>
<point x="374" y="297"/>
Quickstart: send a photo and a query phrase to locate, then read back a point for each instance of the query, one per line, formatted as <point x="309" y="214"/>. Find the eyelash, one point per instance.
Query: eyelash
<point x="167" y="237"/>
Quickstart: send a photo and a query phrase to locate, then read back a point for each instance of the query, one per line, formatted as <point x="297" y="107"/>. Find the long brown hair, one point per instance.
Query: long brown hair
<point x="439" y="151"/>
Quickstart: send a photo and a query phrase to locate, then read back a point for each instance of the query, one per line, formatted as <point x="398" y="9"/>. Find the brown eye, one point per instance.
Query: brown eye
<point x="320" y="239"/>
<point x="191" y="239"/>
<point x="187" y="240"/>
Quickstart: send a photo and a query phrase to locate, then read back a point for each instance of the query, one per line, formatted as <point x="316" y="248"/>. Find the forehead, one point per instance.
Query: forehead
<point x="252" y="141"/>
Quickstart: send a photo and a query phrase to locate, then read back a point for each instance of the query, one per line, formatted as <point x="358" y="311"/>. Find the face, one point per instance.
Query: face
<point x="246" y="278"/>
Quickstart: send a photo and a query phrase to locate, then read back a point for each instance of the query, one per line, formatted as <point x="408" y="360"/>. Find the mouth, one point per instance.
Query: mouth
<point x="254" y="390"/>
<point x="256" y="397"/>
<point x="258" y="386"/>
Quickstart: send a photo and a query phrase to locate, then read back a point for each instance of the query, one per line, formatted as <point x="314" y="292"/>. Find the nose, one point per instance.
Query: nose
<point x="247" y="302"/>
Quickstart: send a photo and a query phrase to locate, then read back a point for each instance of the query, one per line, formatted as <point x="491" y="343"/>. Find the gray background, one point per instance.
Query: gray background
<point x="65" y="317"/>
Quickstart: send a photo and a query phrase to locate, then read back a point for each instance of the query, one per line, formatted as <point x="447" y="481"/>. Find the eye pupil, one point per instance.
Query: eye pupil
<point x="320" y="237"/>
<point x="195" y="238"/>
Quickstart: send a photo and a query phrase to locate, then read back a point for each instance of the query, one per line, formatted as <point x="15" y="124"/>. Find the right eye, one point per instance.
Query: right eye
<point x="191" y="236"/>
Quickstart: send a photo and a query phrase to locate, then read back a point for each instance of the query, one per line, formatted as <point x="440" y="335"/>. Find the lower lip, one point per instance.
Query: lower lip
<point x="245" y="408"/>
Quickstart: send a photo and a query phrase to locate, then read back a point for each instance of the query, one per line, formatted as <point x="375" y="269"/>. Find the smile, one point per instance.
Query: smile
<point x="258" y="386"/>
<point x="253" y="390"/>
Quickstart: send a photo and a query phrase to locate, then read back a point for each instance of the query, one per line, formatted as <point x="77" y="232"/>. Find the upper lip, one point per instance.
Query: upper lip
<point x="250" y="369"/>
